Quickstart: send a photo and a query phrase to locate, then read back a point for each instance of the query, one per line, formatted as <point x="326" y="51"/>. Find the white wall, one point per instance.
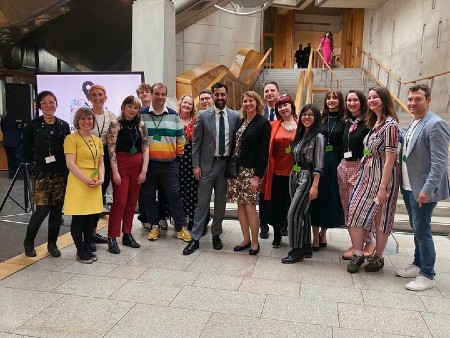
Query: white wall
<point x="405" y="58"/>
<point x="217" y="38"/>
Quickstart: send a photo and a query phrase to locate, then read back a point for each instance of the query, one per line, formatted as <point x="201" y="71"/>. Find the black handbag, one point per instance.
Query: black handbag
<point x="232" y="167"/>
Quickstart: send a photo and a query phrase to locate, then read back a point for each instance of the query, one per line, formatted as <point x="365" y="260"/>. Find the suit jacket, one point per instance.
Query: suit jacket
<point x="427" y="158"/>
<point x="254" y="150"/>
<point x="267" y="113"/>
<point x="204" y="142"/>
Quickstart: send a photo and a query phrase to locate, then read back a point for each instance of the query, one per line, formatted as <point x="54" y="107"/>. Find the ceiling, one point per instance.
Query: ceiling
<point x="96" y="34"/>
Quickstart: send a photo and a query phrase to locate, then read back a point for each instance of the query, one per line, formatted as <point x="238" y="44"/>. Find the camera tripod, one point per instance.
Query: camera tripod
<point x="27" y="189"/>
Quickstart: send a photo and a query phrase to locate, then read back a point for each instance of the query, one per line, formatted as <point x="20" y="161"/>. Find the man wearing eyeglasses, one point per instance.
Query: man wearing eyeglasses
<point x="205" y="98"/>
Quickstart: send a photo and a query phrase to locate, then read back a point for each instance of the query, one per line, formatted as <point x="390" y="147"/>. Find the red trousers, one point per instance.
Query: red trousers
<point x="126" y="195"/>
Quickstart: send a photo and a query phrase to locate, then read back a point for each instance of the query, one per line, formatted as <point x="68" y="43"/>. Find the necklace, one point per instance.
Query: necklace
<point x="289" y="126"/>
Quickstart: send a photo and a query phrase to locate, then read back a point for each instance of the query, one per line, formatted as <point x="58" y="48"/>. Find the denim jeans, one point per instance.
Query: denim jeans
<point x="420" y="219"/>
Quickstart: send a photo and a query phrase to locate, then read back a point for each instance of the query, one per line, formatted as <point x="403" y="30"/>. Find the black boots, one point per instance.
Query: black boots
<point x="112" y="246"/>
<point x="128" y="240"/>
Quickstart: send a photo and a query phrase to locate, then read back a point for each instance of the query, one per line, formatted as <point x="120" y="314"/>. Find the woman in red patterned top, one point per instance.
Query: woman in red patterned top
<point x="188" y="184"/>
<point x="276" y="180"/>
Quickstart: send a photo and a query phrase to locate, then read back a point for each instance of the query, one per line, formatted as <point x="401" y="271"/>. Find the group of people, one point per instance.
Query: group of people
<point x="325" y="47"/>
<point x="308" y="171"/>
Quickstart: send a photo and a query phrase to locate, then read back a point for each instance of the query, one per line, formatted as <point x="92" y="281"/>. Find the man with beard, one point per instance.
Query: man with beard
<point x="213" y="135"/>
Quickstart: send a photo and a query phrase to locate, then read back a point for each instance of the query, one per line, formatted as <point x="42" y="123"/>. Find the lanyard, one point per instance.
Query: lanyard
<point x="93" y="157"/>
<point x="157" y="126"/>
<point x="133" y="140"/>
<point x="103" y="126"/>
<point x="330" y="131"/>
<point x="50" y="136"/>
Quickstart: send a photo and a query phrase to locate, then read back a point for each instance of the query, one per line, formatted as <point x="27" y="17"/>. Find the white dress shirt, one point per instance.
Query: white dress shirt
<point x="227" y="131"/>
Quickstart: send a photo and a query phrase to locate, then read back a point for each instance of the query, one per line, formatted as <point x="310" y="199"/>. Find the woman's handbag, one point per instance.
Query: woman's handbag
<point x="232" y="167"/>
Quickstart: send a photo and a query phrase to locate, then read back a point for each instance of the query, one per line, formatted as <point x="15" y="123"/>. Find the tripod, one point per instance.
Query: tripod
<point x="27" y="189"/>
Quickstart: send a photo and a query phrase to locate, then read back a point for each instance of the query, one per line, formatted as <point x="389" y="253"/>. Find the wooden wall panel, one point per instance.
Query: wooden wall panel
<point x="284" y="37"/>
<point x="352" y="37"/>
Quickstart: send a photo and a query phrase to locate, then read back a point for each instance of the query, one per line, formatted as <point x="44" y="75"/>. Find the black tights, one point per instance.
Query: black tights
<point x="81" y="230"/>
<point x="36" y="220"/>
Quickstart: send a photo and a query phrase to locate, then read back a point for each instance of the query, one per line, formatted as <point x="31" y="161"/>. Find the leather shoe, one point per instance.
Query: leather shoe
<point x="30" y="252"/>
<point x="191" y="247"/>
<point x="93" y="247"/>
<point x="112" y="246"/>
<point x="128" y="240"/>
<point x="264" y="233"/>
<point x="53" y="250"/>
<point x="217" y="243"/>
<point x="238" y="248"/>
<point x="289" y="259"/>
<point x="99" y="239"/>
<point x="254" y="252"/>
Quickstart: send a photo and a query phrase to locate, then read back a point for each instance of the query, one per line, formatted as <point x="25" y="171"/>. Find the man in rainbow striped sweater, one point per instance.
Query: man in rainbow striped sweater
<point x="166" y="147"/>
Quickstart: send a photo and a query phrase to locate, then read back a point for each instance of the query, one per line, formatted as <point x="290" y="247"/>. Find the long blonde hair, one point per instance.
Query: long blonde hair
<point x="259" y="104"/>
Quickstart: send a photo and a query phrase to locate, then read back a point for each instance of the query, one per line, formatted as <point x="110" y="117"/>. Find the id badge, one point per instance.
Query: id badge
<point x="50" y="159"/>
<point x="157" y="138"/>
<point x="296" y="168"/>
<point x="288" y="150"/>
<point x="348" y="154"/>
<point x="404" y="158"/>
<point x="94" y="173"/>
<point x="186" y="142"/>
<point x="133" y="150"/>
<point x="366" y="151"/>
<point x="328" y="148"/>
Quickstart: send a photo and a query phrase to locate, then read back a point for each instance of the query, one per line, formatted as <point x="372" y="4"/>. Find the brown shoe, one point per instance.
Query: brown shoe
<point x="347" y="255"/>
<point x="368" y="250"/>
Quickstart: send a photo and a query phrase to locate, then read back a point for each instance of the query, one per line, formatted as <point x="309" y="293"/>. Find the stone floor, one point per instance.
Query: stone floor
<point x="156" y="291"/>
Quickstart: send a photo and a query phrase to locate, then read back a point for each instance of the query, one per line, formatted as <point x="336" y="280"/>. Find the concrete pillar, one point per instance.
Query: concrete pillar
<point x="153" y="42"/>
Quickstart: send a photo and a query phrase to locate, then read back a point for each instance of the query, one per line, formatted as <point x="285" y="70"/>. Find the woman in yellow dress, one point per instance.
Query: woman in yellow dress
<point x="83" y="199"/>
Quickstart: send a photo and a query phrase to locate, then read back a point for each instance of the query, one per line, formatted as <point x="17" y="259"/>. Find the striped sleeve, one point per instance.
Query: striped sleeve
<point x="391" y="137"/>
<point x="318" y="154"/>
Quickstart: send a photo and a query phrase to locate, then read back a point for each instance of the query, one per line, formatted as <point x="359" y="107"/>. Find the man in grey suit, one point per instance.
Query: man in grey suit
<point x="424" y="158"/>
<point x="213" y="136"/>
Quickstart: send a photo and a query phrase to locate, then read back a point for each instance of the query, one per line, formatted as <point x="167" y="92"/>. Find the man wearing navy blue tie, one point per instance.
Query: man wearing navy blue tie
<point x="271" y="93"/>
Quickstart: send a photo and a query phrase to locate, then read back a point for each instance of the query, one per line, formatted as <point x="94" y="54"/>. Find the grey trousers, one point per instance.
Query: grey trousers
<point x="214" y="180"/>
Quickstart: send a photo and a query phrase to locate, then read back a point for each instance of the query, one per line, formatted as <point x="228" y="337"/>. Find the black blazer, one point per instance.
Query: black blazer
<point x="254" y="151"/>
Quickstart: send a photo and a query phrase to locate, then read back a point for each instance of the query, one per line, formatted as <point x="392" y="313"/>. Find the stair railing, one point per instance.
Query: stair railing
<point x="383" y="76"/>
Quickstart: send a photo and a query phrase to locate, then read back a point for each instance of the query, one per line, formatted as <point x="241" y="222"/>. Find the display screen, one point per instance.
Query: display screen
<point x="72" y="90"/>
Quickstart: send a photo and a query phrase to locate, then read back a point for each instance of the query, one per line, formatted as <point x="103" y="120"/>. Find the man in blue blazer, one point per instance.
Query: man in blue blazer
<point x="424" y="160"/>
<point x="214" y="131"/>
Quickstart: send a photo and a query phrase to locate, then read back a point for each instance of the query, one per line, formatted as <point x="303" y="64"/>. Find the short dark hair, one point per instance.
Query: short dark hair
<point x="43" y="94"/>
<point x="422" y="87"/>
<point x="159" y="85"/>
<point x="218" y="85"/>
<point x="144" y="87"/>
<point x="271" y="82"/>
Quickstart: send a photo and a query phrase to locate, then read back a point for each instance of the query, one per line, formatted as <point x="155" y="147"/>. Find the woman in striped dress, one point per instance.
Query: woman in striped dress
<point x="355" y="131"/>
<point x="373" y="202"/>
<point x="308" y="150"/>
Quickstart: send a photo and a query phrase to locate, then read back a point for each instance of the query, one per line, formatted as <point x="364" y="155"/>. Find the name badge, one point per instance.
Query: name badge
<point x="288" y="150"/>
<point x="296" y="168"/>
<point x="404" y="158"/>
<point x="186" y="142"/>
<point x="366" y="151"/>
<point x="133" y="150"/>
<point x="348" y="154"/>
<point x="94" y="173"/>
<point x="157" y="138"/>
<point x="50" y="159"/>
<point x="328" y="148"/>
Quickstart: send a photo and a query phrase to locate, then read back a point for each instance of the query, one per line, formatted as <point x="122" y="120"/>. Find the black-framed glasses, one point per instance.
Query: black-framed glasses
<point x="307" y="114"/>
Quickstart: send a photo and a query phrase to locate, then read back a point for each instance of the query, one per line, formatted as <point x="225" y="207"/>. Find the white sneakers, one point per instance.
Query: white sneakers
<point x="421" y="283"/>
<point x="411" y="271"/>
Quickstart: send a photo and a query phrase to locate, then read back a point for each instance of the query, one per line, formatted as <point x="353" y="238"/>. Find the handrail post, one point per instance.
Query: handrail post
<point x="399" y="88"/>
